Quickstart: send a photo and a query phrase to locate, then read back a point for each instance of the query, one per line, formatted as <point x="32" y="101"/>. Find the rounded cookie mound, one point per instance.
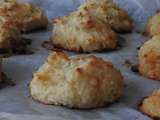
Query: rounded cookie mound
<point x="107" y="11"/>
<point x="78" y="82"/>
<point x="81" y="32"/>
<point x="151" y="105"/>
<point x="27" y="16"/>
<point x="149" y="58"/>
<point x="10" y="36"/>
<point x="152" y="26"/>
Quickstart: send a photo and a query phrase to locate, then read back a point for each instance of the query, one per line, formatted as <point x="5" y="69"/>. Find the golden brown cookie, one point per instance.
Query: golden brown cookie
<point x="149" y="58"/>
<point x="10" y="36"/>
<point x="151" y="105"/>
<point x="107" y="11"/>
<point x="81" y="32"/>
<point x="11" y="40"/>
<point x="77" y="82"/>
<point x="152" y="26"/>
<point x="27" y="16"/>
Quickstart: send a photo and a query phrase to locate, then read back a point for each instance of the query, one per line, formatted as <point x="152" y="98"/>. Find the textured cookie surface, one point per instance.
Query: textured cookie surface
<point x="109" y="13"/>
<point x="149" y="58"/>
<point x="151" y="105"/>
<point x="27" y="16"/>
<point x="77" y="82"/>
<point x="10" y="36"/>
<point x="153" y="25"/>
<point x="81" y="32"/>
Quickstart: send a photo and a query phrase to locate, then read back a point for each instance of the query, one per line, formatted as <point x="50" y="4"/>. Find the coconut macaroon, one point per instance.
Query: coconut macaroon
<point x="28" y="17"/>
<point x="10" y="37"/>
<point x="109" y="13"/>
<point x="11" y="41"/>
<point x="149" y="58"/>
<point x="152" y="26"/>
<point x="151" y="105"/>
<point x="77" y="82"/>
<point x="81" y="32"/>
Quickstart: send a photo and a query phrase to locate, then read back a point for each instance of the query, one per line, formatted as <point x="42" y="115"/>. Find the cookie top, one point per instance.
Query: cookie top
<point x="151" y="45"/>
<point x="152" y="26"/>
<point x="9" y="34"/>
<point x="151" y="105"/>
<point x="27" y="16"/>
<point x="76" y="81"/>
<point x="149" y="58"/>
<point x="81" y="32"/>
<point x="108" y="12"/>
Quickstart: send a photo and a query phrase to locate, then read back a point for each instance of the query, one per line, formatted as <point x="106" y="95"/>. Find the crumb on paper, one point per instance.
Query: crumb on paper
<point x="129" y="64"/>
<point x="6" y="81"/>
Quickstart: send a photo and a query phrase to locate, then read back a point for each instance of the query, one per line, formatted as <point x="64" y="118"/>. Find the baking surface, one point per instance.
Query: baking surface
<point x="16" y="103"/>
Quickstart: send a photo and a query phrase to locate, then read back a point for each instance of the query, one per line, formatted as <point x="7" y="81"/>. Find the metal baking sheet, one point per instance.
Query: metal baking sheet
<point x="15" y="102"/>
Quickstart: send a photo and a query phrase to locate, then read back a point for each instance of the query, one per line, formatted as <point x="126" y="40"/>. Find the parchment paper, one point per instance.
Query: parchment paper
<point x="15" y="102"/>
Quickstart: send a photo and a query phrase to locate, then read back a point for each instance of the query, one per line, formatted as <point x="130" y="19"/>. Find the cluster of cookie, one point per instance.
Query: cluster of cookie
<point x="17" y="18"/>
<point x="149" y="54"/>
<point x="83" y="81"/>
<point x="149" y="64"/>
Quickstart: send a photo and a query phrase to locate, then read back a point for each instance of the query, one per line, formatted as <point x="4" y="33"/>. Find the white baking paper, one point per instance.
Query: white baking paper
<point x="15" y="102"/>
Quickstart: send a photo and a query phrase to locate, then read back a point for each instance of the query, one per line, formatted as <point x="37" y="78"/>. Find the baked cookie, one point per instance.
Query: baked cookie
<point x="11" y="41"/>
<point x="107" y="11"/>
<point x="10" y="36"/>
<point x="151" y="105"/>
<point x="77" y="82"/>
<point x="149" y="58"/>
<point x="152" y="26"/>
<point x="81" y="32"/>
<point x="28" y="17"/>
